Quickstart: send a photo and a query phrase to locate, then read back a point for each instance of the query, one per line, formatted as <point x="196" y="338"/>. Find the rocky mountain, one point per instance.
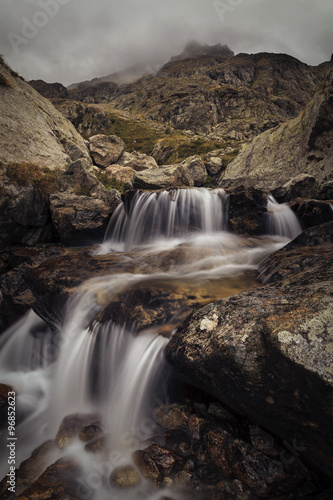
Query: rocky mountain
<point x="296" y="149"/>
<point x="238" y="97"/>
<point x="209" y="90"/>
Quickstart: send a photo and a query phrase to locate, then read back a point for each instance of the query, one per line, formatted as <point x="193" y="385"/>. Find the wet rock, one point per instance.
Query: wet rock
<point x="220" y="413"/>
<point x="306" y="259"/>
<point x="262" y="441"/>
<point x="312" y="212"/>
<point x="145" y="305"/>
<point x="58" y="482"/>
<point x="172" y="416"/>
<point x="166" y="460"/>
<point x="125" y="477"/>
<point x="55" y="280"/>
<point x="82" y="219"/>
<point x="246" y="211"/>
<point x="70" y="428"/>
<point x="178" y="440"/>
<point x="30" y="470"/>
<point x="4" y="390"/>
<point x="99" y="444"/>
<point x="301" y="186"/>
<point x="106" y="149"/>
<point x="147" y="466"/>
<point x="17" y="299"/>
<point x="268" y="355"/>
<point x="90" y="432"/>
<point x="236" y="458"/>
<point x="197" y="426"/>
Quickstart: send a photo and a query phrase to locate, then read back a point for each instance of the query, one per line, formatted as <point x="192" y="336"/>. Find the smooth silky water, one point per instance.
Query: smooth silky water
<point x="181" y="244"/>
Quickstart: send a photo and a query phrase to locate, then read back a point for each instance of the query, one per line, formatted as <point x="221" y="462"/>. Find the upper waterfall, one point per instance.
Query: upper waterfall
<point x="166" y="214"/>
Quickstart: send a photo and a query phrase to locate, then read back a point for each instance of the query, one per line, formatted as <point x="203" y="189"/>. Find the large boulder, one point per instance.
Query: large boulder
<point x="82" y="219"/>
<point x="32" y="129"/>
<point x="191" y="172"/>
<point x="301" y="146"/>
<point x="15" y="297"/>
<point x="137" y="161"/>
<point x="267" y="353"/>
<point x="106" y="149"/>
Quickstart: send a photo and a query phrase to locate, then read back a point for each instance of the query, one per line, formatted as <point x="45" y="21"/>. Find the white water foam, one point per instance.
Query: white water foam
<point x="281" y="219"/>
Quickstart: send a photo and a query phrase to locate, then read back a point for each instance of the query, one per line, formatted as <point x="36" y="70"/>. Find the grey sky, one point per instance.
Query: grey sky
<point x="75" y="40"/>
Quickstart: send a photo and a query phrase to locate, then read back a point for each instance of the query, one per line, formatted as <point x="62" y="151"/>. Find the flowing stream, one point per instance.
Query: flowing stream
<point x="115" y="369"/>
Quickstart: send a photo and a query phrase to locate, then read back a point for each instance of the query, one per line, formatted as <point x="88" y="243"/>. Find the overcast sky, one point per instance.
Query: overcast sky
<point x="74" y="40"/>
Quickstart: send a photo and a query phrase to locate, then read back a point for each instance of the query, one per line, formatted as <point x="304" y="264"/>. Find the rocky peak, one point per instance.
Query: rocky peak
<point x="49" y="90"/>
<point x="193" y="49"/>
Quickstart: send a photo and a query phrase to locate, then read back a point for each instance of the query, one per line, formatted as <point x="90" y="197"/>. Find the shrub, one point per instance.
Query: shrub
<point x="5" y="82"/>
<point x="44" y="180"/>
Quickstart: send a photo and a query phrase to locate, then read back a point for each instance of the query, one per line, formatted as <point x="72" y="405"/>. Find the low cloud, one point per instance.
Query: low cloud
<point x="75" y="40"/>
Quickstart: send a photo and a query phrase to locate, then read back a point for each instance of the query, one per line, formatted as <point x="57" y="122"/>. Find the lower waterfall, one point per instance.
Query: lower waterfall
<point x="281" y="219"/>
<point x="117" y="371"/>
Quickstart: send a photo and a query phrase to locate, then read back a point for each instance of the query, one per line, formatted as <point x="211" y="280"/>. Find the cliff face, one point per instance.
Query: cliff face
<point x="239" y="96"/>
<point x="302" y="146"/>
<point x="32" y="129"/>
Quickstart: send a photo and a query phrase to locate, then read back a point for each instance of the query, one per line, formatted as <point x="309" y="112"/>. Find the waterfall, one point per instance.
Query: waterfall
<point x="166" y="214"/>
<point x="281" y="219"/>
<point x="105" y="368"/>
<point x="180" y="246"/>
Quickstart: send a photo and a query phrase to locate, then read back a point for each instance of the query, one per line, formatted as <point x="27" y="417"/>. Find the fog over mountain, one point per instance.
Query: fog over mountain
<point x="75" y="40"/>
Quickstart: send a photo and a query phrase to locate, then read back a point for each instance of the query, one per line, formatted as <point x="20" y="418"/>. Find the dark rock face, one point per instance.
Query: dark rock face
<point x="267" y="353"/>
<point x="49" y="90"/>
<point x="57" y="482"/>
<point x="88" y="120"/>
<point x="246" y="211"/>
<point x="312" y="213"/>
<point x="16" y="298"/>
<point x="101" y="92"/>
<point x="236" y="458"/>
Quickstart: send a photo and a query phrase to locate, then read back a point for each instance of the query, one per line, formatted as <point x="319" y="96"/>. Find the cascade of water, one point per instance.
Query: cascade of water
<point x="167" y="214"/>
<point x="27" y="351"/>
<point x="281" y="219"/>
<point x="110" y="369"/>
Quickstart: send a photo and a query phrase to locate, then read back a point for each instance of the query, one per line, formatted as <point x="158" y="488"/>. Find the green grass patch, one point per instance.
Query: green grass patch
<point x="110" y="184"/>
